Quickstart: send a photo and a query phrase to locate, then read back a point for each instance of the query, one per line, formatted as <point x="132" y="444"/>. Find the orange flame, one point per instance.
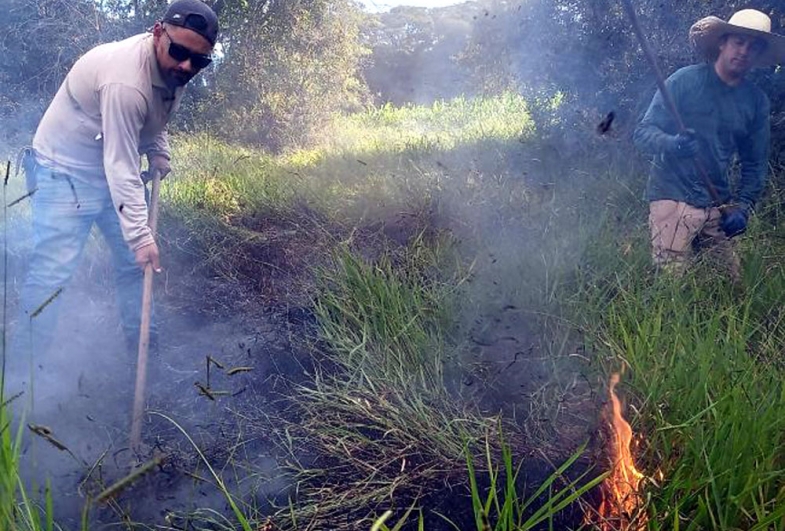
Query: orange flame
<point x="621" y="498"/>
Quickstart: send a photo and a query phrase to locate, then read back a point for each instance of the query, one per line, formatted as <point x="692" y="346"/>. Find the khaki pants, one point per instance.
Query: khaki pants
<point x="678" y="230"/>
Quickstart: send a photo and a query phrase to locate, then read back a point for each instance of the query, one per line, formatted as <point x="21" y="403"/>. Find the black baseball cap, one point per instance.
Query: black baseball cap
<point x="194" y="15"/>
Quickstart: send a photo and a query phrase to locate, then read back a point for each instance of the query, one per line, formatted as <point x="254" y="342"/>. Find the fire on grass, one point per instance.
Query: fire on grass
<point x="621" y="502"/>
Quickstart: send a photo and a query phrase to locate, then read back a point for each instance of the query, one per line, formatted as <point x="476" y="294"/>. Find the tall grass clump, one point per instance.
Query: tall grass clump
<point x="377" y="420"/>
<point x="705" y="374"/>
<point x="379" y="424"/>
<point x="19" y="511"/>
<point x="504" y="506"/>
<point x="385" y="321"/>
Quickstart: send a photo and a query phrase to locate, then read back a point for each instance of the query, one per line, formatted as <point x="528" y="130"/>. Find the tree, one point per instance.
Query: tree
<point x="40" y="41"/>
<point x="415" y="51"/>
<point x="288" y="65"/>
<point x="585" y="52"/>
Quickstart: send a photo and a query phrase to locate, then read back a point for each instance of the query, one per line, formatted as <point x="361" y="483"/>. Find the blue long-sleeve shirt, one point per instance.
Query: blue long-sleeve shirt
<point x="728" y="120"/>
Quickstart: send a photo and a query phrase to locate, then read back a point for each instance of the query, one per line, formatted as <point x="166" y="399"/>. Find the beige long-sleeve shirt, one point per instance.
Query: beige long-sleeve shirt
<point x="112" y="108"/>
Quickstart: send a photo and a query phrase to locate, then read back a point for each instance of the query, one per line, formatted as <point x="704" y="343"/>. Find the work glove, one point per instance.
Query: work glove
<point x="685" y="144"/>
<point x="734" y="221"/>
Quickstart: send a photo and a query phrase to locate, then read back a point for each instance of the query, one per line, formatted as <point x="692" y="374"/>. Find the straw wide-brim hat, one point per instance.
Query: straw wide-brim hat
<point x="705" y="35"/>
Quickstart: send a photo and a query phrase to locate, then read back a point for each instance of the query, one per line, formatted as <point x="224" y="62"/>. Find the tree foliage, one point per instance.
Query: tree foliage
<point x="39" y="41"/>
<point x="586" y="52"/>
<point x="288" y="66"/>
<point x="416" y="53"/>
<point x="285" y="66"/>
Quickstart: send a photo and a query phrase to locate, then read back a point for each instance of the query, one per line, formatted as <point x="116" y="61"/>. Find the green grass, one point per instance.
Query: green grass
<point x="705" y="374"/>
<point x="441" y="126"/>
<point x="505" y="507"/>
<point x="376" y="416"/>
<point x="254" y="178"/>
<point x="374" y="427"/>
<point x="385" y="321"/>
<point x="18" y="510"/>
<point x="383" y="156"/>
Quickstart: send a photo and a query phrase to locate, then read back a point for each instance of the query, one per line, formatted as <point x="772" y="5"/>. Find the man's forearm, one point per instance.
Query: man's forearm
<point x="649" y="138"/>
<point x="122" y="111"/>
<point x="157" y="147"/>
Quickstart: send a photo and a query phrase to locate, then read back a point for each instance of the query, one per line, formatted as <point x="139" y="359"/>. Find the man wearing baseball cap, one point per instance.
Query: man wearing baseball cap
<point x="693" y="203"/>
<point x="111" y="110"/>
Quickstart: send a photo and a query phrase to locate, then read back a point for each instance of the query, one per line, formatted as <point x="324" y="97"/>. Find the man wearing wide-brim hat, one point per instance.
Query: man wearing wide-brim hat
<point x="725" y="116"/>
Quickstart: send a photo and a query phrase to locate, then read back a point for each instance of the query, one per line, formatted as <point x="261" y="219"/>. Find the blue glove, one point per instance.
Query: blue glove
<point x="734" y="221"/>
<point x="685" y="144"/>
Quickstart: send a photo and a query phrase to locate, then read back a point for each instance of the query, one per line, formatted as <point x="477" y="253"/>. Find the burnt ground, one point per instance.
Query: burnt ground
<point x="83" y="390"/>
<point x="253" y="314"/>
<point x="537" y="373"/>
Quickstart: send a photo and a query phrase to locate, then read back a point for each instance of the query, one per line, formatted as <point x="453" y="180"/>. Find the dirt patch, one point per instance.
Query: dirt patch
<point x="250" y="308"/>
<point x="84" y="393"/>
<point x="549" y="389"/>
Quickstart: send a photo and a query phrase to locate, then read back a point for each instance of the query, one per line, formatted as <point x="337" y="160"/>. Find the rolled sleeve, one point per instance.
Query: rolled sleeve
<point x="123" y="111"/>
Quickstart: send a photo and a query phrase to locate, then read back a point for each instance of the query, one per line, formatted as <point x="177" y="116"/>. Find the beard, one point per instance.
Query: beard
<point x="177" y="78"/>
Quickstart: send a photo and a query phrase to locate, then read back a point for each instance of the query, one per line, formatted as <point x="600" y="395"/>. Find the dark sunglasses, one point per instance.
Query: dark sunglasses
<point x="180" y="53"/>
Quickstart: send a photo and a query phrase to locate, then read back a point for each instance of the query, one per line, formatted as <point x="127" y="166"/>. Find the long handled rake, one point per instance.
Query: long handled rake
<point x="144" y="330"/>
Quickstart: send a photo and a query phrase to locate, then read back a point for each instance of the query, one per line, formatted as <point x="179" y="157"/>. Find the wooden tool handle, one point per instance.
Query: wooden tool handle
<point x="144" y="329"/>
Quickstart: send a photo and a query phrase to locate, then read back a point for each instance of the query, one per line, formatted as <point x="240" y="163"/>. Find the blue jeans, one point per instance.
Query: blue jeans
<point x="64" y="211"/>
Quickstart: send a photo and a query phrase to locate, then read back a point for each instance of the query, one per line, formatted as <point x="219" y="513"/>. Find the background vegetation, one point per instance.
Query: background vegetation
<point x="406" y="173"/>
<point x="288" y="66"/>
